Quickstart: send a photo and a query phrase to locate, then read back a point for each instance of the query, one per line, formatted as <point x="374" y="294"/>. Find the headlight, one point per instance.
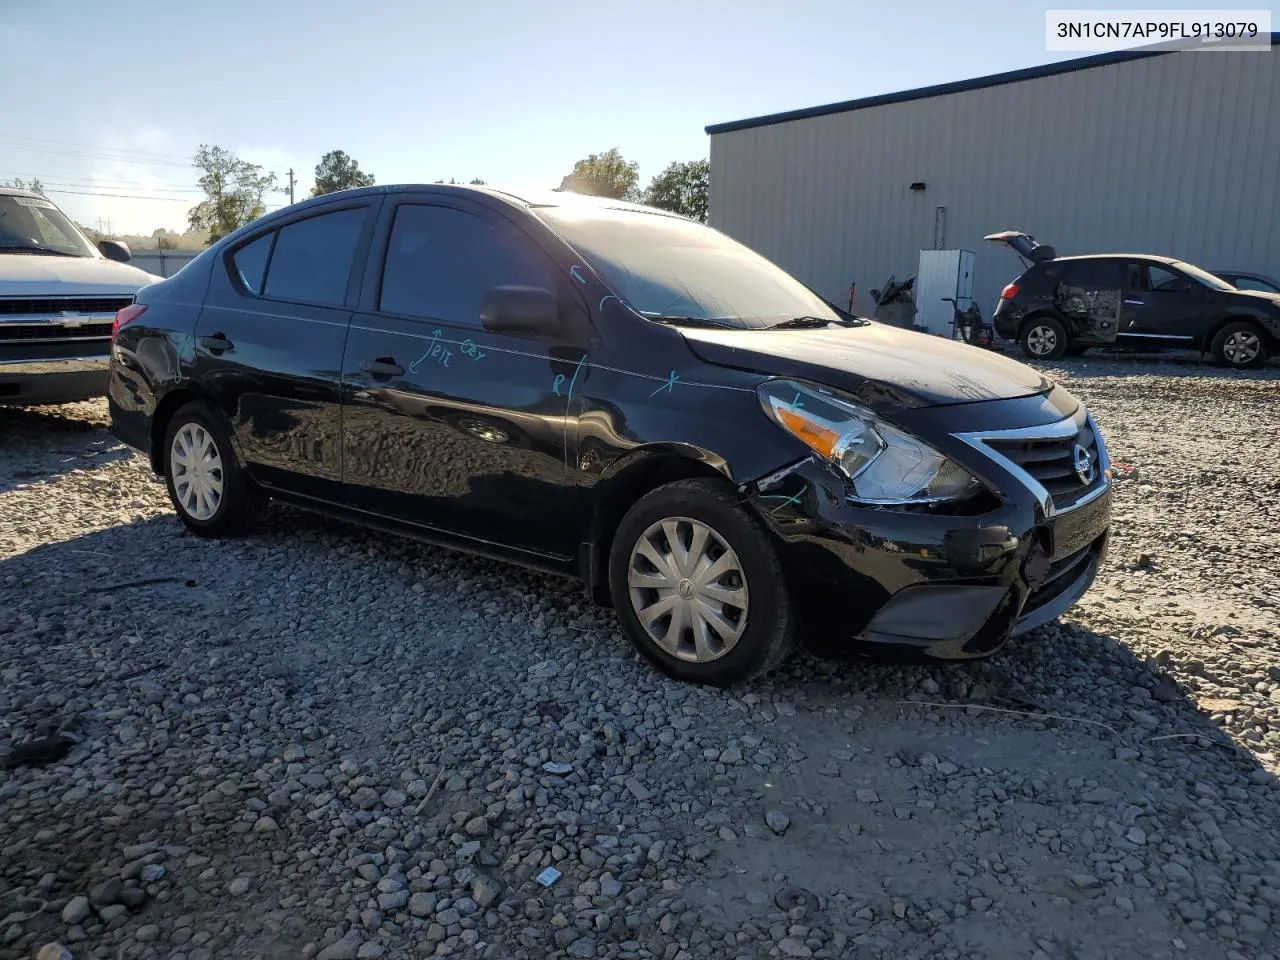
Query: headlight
<point x="884" y="465"/>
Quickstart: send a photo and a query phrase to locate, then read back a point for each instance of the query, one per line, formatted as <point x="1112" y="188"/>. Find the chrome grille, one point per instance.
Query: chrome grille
<point x="55" y="305"/>
<point x="1045" y="458"/>
<point x="1052" y="461"/>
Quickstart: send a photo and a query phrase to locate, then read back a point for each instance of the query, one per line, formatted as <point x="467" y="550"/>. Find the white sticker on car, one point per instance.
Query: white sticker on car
<point x="34" y="202"/>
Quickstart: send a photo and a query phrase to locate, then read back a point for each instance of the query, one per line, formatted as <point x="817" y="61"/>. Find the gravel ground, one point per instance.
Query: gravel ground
<point x="322" y="742"/>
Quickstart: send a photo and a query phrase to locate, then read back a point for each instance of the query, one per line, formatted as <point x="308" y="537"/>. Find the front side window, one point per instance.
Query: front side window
<point x="1164" y="280"/>
<point x="441" y="262"/>
<point x="667" y="267"/>
<point x="312" y="258"/>
<point x="34" y="225"/>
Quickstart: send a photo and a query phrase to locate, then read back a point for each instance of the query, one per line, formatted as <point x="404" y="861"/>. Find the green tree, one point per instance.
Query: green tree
<point x="604" y="175"/>
<point x="682" y="188"/>
<point x="34" y="185"/>
<point x="233" y="189"/>
<point x="337" y="171"/>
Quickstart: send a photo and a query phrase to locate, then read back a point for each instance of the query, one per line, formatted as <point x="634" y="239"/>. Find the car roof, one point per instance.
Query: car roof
<point x="15" y="192"/>
<point x="1148" y="257"/>
<point x="524" y="197"/>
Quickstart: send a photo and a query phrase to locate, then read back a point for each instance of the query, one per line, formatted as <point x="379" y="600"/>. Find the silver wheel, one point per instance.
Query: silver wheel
<point x="1042" y="340"/>
<point x="688" y="589"/>
<point x="196" y="466"/>
<point x="1242" y="347"/>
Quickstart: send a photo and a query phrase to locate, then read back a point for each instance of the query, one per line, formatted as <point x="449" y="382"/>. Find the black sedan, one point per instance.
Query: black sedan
<point x="606" y="391"/>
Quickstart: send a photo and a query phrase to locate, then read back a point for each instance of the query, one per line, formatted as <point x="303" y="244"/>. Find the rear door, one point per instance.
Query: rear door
<point x="1167" y="305"/>
<point x="269" y="343"/>
<point x="1089" y="293"/>
<point x="446" y="425"/>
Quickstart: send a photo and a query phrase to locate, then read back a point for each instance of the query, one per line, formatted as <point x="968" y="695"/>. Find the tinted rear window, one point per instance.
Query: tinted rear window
<point x="312" y="258"/>
<point x="251" y="262"/>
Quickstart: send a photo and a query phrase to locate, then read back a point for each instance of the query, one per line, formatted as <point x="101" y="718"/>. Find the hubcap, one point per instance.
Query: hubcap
<point x="1042" y="340"/>
<point x="688" y="589"/>
<point x="196" y="466"/>
<point x="1242" y="346"/>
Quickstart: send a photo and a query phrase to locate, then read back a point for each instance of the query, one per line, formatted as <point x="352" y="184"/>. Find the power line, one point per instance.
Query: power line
<point x="105" y="185"/>
<point x="110" y="182"/>
<point x="100" y="155"/>
<point x="95" y="146"/>
<point x="124" y="196"/>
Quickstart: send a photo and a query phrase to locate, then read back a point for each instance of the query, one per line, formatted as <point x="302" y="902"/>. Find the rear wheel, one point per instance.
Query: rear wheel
<point x="1044" y="338"/>
<point x="206" y="482"/>
<point x="1240" y="344"/>
<point x="698" y="586"/>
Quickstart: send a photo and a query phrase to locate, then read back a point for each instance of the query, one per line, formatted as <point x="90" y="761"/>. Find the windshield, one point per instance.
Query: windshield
<point x="665" y="267"/>
<point x="1208" y="279"/>
<point x="34" y="225"/>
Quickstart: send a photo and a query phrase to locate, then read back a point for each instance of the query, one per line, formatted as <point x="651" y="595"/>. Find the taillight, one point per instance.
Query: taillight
<point x="125" y="317"/>
<point x="1010" y="291"/>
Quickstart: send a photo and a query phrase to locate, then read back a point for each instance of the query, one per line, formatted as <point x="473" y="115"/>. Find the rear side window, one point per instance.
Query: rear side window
<point x="312" y="258"/>
<point x="251" y="262"/>
<point x="441" y="262"/>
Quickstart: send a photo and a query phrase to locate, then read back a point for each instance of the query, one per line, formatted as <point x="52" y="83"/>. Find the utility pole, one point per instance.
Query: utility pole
<point x="291" y="184"/>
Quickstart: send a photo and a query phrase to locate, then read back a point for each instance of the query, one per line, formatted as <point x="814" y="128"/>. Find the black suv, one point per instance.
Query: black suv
<point x="1064" y="305"/>
<point x="606" y="391"/>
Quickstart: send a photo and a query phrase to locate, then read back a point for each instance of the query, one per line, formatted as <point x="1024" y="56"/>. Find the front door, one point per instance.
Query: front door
<point x="446" y="425"/>
<point x="1167" y="305"/>
<point x="269" y="344"/>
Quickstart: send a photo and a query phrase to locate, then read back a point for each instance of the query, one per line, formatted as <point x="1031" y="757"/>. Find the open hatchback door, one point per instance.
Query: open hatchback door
<point x="1024" y="245"/>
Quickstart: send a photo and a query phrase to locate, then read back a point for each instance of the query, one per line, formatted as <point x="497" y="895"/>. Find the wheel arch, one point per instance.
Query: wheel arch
<point x="177" y="397"/>
<point x="1269" y="337"/>
<point x="1040" y="313"/>
<point x="623" y="484"/>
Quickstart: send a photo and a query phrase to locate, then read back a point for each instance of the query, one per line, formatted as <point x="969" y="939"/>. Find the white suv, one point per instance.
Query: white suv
<point x="58" y="298"/>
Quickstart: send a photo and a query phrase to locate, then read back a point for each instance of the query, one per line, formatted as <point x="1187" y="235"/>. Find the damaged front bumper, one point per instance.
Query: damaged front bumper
<point x="948" y="586"/>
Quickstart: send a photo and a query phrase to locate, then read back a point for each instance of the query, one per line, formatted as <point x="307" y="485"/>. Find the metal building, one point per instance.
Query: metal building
<point x="1154" y="152"/>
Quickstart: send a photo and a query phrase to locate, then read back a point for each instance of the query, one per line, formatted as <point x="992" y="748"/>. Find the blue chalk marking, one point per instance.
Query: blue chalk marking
<point x="668" y="385"/>
<point x="576" y="273"/>
<point x="794" y="498"/>
<point x="560" y="378"/>
<point x="607" y="297"/>
<point x="576" y="370"/>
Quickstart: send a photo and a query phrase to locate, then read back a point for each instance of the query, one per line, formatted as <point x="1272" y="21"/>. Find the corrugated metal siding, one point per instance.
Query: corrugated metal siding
<point x="1176" y="155"/>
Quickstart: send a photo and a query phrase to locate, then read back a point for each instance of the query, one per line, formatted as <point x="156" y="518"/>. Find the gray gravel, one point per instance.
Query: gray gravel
<point x="321" y="742"/>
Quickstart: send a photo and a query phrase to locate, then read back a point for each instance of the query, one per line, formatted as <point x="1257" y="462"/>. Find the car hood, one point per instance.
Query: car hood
<point x="883" y="367"/>
<point x="1258" y="296"/>
<point x="33" y="275"/>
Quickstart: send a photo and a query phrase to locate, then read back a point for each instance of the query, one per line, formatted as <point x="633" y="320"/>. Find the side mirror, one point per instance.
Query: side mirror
<point x="520" y="310"/>
<point x="116" y="250"/>
<point x="875" y="295"/>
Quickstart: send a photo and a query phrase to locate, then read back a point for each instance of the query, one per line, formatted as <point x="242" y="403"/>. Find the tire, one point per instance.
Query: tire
<point x="765" y="622"/>
<point x="1241" y="345"/>
<point x="202" y="431"/>
<point x="1043" y="338"/>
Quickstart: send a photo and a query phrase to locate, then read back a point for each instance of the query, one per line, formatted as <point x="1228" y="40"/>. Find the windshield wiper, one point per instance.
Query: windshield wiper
<point x="815" y="322"/>
<point x="37" y="250"/>
<point x="692" y="321"/>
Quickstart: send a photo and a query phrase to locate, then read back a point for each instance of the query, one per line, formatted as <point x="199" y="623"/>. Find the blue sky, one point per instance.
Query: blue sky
<point x="512" y="92"/>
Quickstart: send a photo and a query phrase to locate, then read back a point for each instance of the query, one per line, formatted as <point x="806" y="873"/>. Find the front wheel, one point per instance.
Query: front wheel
<point x="698" y="587"/>
<point x="1241" y="345"/>
<point x="1044" y="338"/>
<point x="206" y="483"/>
